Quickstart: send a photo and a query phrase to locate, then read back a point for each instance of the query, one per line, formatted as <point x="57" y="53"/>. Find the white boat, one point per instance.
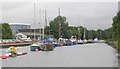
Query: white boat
<point x="96" y="40"/>
<point x="85" y="41"/>
<point x="80" y="41"/>
<point x="73" y="39"/>
<point x="7" y="55"/>
<point x="90" y="41"/>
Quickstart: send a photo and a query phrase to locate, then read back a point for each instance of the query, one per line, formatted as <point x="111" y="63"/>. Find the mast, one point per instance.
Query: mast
<point x="40" y="23"/>
<point x="43" y="33"/>
<point x="43" y="28"/>
<point x="34" y="20"/>
<point x="59" y="32"/>
<point x="49" y="26"/>
<point x="46" y="22"/>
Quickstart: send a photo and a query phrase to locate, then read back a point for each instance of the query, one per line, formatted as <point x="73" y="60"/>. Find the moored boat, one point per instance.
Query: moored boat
<point x="80" y="41"/>
<point x="96" y="40"/>
<point x="73" y="39"/>
<point x="35" y="47"/>
<point x="47" y="47"/>
<point x="84" y="41"/>
<point x="7" y="55"/>
<point x="90" y="41"/>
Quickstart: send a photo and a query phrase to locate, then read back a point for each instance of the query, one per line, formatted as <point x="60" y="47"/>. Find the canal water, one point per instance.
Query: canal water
<point x="86" y="55"/>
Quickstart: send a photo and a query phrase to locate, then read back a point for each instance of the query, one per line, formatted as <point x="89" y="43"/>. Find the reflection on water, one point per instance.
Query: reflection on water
<point x="87" y="55"/>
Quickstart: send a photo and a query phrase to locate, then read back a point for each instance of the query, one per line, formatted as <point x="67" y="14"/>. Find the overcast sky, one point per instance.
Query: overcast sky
<point x="93" y="15"/>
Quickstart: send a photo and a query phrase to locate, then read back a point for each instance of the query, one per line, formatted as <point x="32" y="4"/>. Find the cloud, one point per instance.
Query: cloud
<point x="93" y="15"/>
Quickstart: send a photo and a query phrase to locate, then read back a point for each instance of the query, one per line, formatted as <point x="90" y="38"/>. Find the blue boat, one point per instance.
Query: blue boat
<point x="35" y="47"/>
<point x="68" y="43"/>
<point x="75" y="43"/>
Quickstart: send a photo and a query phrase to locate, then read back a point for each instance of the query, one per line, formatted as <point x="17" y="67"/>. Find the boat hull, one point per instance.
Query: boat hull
<point x="34" y="48"/>
<point x="48" y="47"/>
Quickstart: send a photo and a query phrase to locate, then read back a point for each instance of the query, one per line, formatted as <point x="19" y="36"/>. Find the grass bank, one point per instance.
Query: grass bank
<point x="111" y="43"/>
<point x="114" y="44"/>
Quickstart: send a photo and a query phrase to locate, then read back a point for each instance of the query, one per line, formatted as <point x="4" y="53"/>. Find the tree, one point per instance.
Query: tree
<point x="72" y="31"/>
<point x="6" y="31"/>
<point x="116" y="26"/>
<point x="80" y="32"/>
<point x="116" y="29"/>
<point x="63" y="27"/>
<point x="75" y="31"/>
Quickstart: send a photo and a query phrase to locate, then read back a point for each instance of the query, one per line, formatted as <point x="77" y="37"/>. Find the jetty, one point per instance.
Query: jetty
<point x="15" y="44"/>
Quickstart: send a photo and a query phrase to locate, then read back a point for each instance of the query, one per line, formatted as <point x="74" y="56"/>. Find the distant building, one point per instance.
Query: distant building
<point x="16" y="26"/>
<point x="38" y="33"/>
<point x="31" y="33"/>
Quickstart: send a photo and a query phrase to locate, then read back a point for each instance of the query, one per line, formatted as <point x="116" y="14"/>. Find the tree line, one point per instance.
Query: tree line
<point x="68" y="31"/>
<point x="111" y="34"/>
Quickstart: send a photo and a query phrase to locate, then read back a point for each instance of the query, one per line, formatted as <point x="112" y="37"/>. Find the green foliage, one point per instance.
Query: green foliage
<point x="116" y="29"/>
<point x="72" y="31"/>
<point x="116" y="26"/>
<point x="47" y="30"/>
<point x="5" y="31"/>
<point x="118" y="44"/>
<point x="63" y="25"/>
<point x="100" y="34"/>
<point x="68" y="31"/>
<point x="76" y="31"/>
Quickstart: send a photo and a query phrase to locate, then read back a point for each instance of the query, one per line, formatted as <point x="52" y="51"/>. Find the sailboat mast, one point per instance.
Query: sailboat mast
<point x="49" y="26"/>
<point x="43" y="27"/>
<point x="34" y="20"/>
<point x="40" y="23"/>
<point x="59" y="32"/>
<point x="46" y="22"/>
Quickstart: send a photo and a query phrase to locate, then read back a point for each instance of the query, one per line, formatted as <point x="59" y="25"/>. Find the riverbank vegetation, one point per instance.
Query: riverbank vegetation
<point x="116" y="30"/>
<point x="67" y="31"/>
<point x="5" y="31"/>
<point x="110" y="35"/>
